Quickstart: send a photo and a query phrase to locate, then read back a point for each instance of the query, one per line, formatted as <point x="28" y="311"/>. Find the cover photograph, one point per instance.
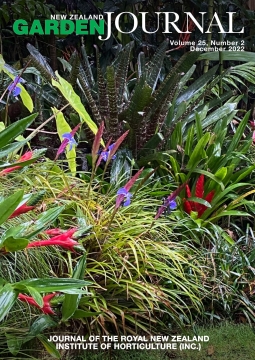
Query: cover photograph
<point x="127" y="179"/>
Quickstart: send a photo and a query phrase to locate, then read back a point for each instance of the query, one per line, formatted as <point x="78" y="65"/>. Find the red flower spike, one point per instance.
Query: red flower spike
<point x="64" y="240"/>
<point x="66" y="243"/>
<point x="65" y="235"/>
<point x="27" y="156"/>
<point x="46" y="309"/>
<point x="54" y="232"/>
<point x="210" y="196"/>
<point x="21" y="210"/>
<point x="188" y="191"/>
<point x="199" y="191"/>
<point x="191" y="205"/>
<point x="187" y="206"/>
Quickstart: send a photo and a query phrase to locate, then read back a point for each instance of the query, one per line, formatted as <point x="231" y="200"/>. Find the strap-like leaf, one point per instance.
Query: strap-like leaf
<point x="112" y="96"/>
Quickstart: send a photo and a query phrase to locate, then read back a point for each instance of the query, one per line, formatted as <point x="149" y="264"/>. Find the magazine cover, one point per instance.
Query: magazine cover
<point x="127" y="149"/>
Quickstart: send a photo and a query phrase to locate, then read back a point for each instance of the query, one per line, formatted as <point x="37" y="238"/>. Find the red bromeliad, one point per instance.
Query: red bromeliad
<point x="54" y="232"/>
<point x="199" y="193"/>
<point x="64" y="240"/>
<point x="21" y="210"/>
<point x="46" y="309"/>
<point x="27" y="156"/>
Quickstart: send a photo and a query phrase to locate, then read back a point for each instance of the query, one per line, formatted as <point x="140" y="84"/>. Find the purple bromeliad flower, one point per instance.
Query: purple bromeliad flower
<point x="13" y="88"/>
<point x="105" y="154"/>
<point x="68" y="139"/>
<point x="127" y="196"/>
<point x="172" y="205"/>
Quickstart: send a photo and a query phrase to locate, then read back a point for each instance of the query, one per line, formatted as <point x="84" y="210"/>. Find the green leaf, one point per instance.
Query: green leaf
<point x="74" y="100"/>
<point x="121" y="167"/>
<point x="51" y="284"/>
<point x="79" y="314"/>
<point x="7" y="299"/>
<point x="12" y="244"/>
<point x="240" y="175"/>
<point x="189" y="141"/>
<point x="216" y="178"/>
<point x="49" y="346"/>
<point x="71" y="302"/>
<point x="200" y="201"/>
<point x="230" y="213"/>
<point x="225" y="110"/>
<point x="228" y="238"/>
<point x="44" y="220"/>
<point x="238" y="134"/>
<point x="15" y="129"/>
<point x="62" y="128"/>
<point x="196" y="86"/>
<point x="228" y="55"/>
<point x="198" y="126"/>
<point x="1" y="63"/>
<point x="8" y="149"/>
<point x="38" y="326"/>
<point x="14" y="342"/>
<point x="8" y="206"/>
<point x="199" y="152"/>
<point x="36" y="296"/>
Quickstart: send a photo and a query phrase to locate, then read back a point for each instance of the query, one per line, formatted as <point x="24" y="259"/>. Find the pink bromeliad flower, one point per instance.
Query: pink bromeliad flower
<point x="27" y="156"/>
<point x="46" y="309"/>
<point x="64" y="240"/>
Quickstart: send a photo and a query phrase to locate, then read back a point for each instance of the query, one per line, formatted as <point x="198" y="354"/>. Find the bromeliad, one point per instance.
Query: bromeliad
<point x="21" y="210"/>
<point x="64" y="240"/>
<point x="13" y="88"/>
<point x="27" y="156"/>
<point x="68" y="140"/>
<point x="123" y="194"/>
<point x="199" y="193"/>
<point x="170" y="202"/>
<point x="46" y="308"/>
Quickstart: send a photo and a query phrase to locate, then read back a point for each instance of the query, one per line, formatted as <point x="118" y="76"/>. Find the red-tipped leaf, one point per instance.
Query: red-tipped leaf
<point x="171" y="197"/>
<point x="117" y="145"/>
<point x="96" y="142"/>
